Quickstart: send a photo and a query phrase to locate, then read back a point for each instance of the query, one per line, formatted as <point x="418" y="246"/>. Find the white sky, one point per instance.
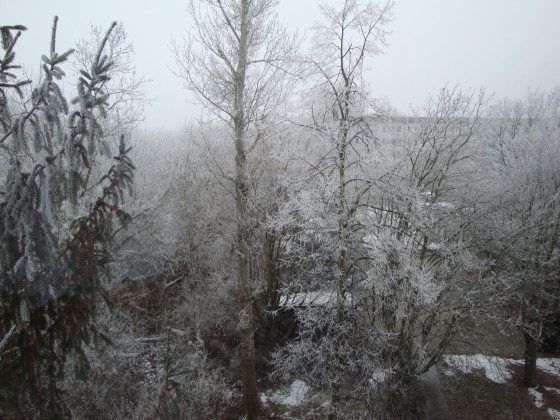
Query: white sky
<point x="506" y="46"/>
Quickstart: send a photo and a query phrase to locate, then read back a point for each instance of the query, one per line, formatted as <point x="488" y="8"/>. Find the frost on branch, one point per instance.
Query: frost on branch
<point x="54" y="240"/>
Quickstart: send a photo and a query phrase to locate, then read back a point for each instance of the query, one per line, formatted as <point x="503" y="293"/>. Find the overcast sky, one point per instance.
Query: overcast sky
<point x="505" y="46"/>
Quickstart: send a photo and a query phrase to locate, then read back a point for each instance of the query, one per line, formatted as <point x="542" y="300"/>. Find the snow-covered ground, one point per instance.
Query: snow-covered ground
<point x="548" y="388"/>
<point x="291" y="397"/>
<point x="495" y="368"/>
<point x="537" y="397"/>
<point x="499" y="370"/>
<point x="555" y="414"/>
<point x="549" y="365"/>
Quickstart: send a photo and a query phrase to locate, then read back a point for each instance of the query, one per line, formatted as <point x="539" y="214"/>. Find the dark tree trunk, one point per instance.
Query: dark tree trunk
<point x="530" y="372"/>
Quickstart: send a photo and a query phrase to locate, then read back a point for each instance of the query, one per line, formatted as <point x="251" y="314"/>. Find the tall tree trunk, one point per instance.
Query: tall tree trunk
<point x="340" y="292"/>
<point x="246" y="332"/>
<point x="530" y="371"/>
<point x="246" y="315"/>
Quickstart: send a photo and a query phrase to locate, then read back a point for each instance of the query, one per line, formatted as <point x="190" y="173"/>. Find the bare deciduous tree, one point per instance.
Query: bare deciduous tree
<point x="124" y="85"/>
<point x="233" y="62"/>
<point x="520" y="230"/>
<point x="342" y="43"/>
<point x="423" y="285"/>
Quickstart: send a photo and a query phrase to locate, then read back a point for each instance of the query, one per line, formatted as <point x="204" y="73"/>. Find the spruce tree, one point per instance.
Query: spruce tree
<point x="54" y="241"/>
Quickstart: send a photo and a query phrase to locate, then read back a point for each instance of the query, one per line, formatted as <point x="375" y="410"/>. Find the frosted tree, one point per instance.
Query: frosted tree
<point x="54" y="245"/>
<point x="413" y="276"/>
<point x="124" y="85"/>
<point x="520" y="229"/>
<point x="423" y="283"/>
<point x="233" y="62"/>
<point x="320" y="215"/>
<point x="342" y="42"/>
